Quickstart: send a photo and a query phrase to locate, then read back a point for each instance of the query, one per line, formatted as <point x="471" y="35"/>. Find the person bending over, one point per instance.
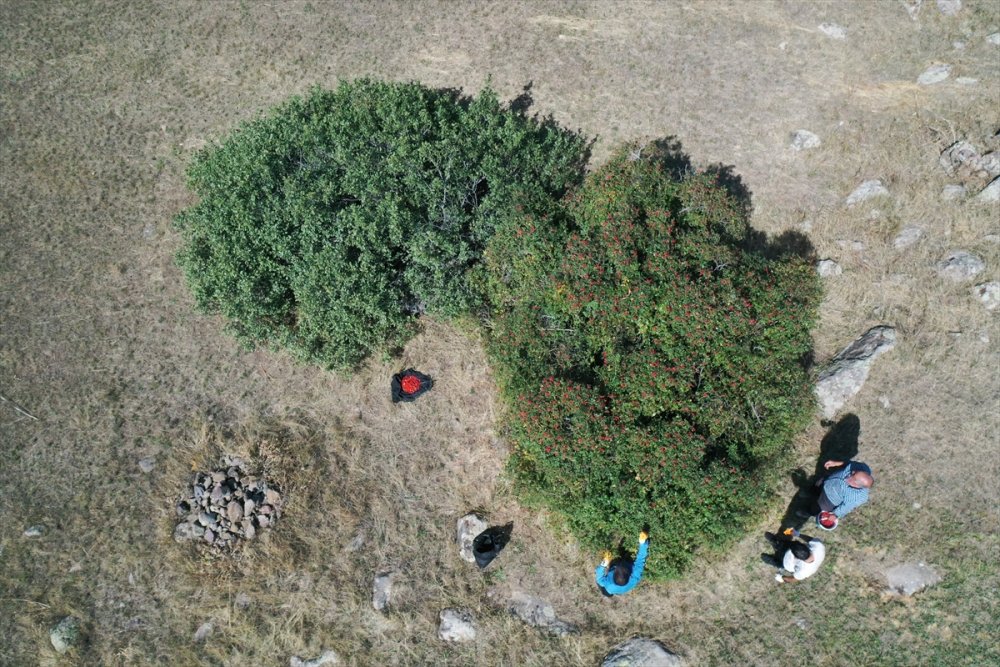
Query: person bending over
<point x="800" y="560"/>
<point x="624" y="574"/>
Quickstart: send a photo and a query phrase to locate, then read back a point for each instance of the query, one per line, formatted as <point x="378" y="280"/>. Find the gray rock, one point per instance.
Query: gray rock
<point x="907" y="236"/>
<point x="183" y="532"/>
<point x="218" y="477"/>
<point x="833" y="31"/>
<point x="867" y="190"/>
<point x="949" y="7"/>
<point x="993" y="38"/>
<point x="382" y="590"/>
<point x="242" y="601"/>
<point x="804" y="139"/>
<point x="466" y="530"/>
<point x="962" y="158"/>
<point x="910" y="578"/>
<point x="65" y="634"/>
<point x="249" y="531"/>
<point x="146" y="464"/>
<point x="263" y="520"/>
<point x="990" y="163"/>
<point x="538" y="613"/>
<point x="209" y="536"/>
<point x="967" y="81"/>
<point x="249" y="506"/>
<point x="641" y="652"/>
<point x="183" y="507"/>
<point x="828" y="267"/>
<point x="959" y="265"/>
<point x="272" y="497"/>
<point x="934" y="74"/>
<point x="990" y="194"/>
<point x="847" y="373"/>
<point x="265" y="510"/>
<point x="954" y="192"/>
<point x="234" y="512"/>
<point x="36" y="530"/>
<point x="326" y="658"/>
<point x="203" y="632"/>
<point x="957" y="155"/>
<point x="217" y="494"/>
<point x="457" y="625"/>
<point x="988" y="294"/>
<point x="208" y="519"/>
<point x="197" y="530"/>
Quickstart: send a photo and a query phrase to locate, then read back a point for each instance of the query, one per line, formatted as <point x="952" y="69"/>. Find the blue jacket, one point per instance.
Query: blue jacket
<point x="606" y="579"/>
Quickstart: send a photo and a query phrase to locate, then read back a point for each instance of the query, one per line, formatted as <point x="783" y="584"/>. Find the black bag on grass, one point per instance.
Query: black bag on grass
<point x="489" y="543"/>
<point x="409" y="384"/>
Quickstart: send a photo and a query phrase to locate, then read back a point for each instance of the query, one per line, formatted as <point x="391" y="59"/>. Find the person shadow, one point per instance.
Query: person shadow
<point x="839" y="444"/>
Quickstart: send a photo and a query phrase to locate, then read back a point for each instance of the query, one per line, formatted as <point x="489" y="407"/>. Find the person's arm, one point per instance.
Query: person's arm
<point x="640" y="563"/>
<point x="851" y="502"/>
<point x="832" y="464"/>
<point x="602" y="569"/>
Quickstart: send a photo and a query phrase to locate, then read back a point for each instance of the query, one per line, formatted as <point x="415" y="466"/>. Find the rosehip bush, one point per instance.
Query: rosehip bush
<point x="653" y="357"/>
<point x="327" y="225"/>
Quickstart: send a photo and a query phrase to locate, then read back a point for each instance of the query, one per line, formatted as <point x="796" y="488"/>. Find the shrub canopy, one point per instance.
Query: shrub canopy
<point x="325" y="226"/>
<point x="652" y="358"/>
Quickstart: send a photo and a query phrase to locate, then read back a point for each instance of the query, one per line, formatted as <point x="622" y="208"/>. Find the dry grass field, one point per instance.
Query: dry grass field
<point x="102" y="105"/>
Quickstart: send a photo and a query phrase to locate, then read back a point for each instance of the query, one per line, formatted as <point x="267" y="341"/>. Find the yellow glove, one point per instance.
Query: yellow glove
<point x="643" y="536"/>
<point x="607" y="559"/>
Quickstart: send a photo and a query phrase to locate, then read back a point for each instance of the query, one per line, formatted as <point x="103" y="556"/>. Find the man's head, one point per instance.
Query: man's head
<point x="860" y="480"/>
<point x="622" y="572"/>
<point x="800" y="550"/>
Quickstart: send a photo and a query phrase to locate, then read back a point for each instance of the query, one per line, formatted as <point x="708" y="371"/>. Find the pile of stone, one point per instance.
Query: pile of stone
<point x="227" y="505"/>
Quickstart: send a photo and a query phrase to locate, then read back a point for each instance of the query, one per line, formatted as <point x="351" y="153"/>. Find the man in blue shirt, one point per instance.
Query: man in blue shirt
<point x="624" y="575"/>
<point x="846" y="489"/>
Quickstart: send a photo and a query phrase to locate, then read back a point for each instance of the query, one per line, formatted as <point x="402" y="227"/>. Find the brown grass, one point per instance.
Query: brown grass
<point x="103" y="103"/>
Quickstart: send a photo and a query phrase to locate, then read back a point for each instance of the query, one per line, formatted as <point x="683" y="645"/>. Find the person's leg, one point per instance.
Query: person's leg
<point x="824" y="503"/>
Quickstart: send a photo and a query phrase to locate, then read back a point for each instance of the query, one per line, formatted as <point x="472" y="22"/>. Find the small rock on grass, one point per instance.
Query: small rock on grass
<point x="867" y="190"/>
<point x="828" y="267"/>
<point x="326" y="658"/>
<point x="907" y="237"/>
<point x="949" y="7"/>
<point x="953" y="192"/>
<point x="959" y="265"/>
<point x="910" y="578"/>
<point x="641" y="652"/>
<point x="146" y="464"/>
<point x="35" y="531"/>
<point x="457" y="625"/>
<point x="934" y="74"/>
<point x="382" y="590"/>
<point x="993" y="38"/>
<point x="833" y="31"/>
<point x="203" y="632"/>
<point x="988" y="294"/>
<point x="466" y="530"/>
<point x="65" y="634"/>
<point x="804" y="139"/>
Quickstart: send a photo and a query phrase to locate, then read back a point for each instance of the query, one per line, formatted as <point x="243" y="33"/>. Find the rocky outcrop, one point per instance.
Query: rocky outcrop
<point x="847" y="372"/>
<point x="226" y="506"/>
<point x="642" y="652"/>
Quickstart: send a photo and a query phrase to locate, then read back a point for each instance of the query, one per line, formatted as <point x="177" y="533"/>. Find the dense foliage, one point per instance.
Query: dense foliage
<point x="326" y="226"/>
<point x="653" y="357"/>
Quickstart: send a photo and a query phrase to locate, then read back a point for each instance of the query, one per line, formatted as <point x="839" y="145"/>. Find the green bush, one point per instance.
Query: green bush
<point x="652" y="352"/>
<point x="329" y="224"/>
